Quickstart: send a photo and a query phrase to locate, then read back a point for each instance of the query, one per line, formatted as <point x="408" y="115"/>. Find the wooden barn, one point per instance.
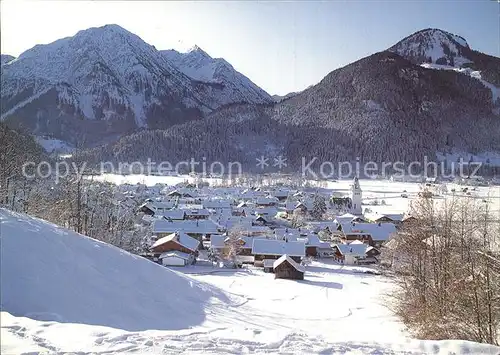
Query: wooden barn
<point x="177" y="241"/>
<point x="286" y="268"/>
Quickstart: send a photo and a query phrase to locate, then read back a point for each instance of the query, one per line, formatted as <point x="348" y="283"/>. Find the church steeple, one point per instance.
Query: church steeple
<point x="356" y="184"/>
<point x="356" y="197"/>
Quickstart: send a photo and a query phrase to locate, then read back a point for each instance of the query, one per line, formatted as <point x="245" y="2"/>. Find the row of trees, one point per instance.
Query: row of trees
<point x="92" y="208"/>
<point x="448" y="270"/>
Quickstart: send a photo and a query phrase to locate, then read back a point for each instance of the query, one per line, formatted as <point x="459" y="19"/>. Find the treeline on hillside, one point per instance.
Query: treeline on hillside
<point x="92" y="208"/>
<point x="16" y="149"/>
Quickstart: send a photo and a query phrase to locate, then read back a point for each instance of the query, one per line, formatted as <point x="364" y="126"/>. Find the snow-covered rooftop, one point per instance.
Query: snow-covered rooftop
<point x="380" y="232"/>
<point x="278" y="247"/>
<point x="292" y="262"/>
<point x="171" y="214"/>
<point x="353" y="249"/>
<point x="181" y="238"/>
<point x="176" y="253"/>
<point x="200" y="226"/>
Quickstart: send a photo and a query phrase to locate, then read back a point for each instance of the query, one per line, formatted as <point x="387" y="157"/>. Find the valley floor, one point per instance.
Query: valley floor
<point x="334" y="310"/>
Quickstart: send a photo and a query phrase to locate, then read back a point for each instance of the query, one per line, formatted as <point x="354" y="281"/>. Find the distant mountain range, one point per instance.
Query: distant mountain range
<point x="105" y="82"/>
<point x="429" y="94"/>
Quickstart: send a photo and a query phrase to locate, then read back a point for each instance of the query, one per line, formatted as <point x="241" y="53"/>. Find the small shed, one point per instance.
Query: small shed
<point x="286" y="268"/>
<point x="176" y="258"/>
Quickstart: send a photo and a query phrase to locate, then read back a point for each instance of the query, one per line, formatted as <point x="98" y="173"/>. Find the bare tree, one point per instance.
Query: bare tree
<point x="233" y="244"/>
<point x="448" y="286"/>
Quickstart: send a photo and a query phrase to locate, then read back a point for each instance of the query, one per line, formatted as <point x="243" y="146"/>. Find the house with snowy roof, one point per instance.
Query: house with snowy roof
<point x="356" y="252"/>
<point x="325" y="250"/>
<point x="376" y="217"/>
<point x="373" y="234"/>
<point x="217" y="205"/>
<point x="174" y="215"/>
<point x="300" y="206"/>
<point x="188" y="193"/>
<point x="270" y="212"/>
<point x="154" y="207"/>
<point x="229" y="222"/>
<point x="176" y="249"/>
<point x="238" y="212"/>
<point x="196" y="229"/>
<point x="273" y="249"/>
<point x="196" y="214"/>
<point x="176" y="258"/>
<point x="249" y="194"/>
<point x="267" y="201"/>
<point x="285" y="267"/>
<point x="312" y="243"/>
<point x="281" y="194"/>
<point x="348" y="218"/>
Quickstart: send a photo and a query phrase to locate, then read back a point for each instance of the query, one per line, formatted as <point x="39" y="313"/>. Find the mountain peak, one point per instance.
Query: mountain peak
<point x="433" y="45"/>
<point x="107" y="28"/>
<point x="436" y="32"/>
<point x="197" y="50"/>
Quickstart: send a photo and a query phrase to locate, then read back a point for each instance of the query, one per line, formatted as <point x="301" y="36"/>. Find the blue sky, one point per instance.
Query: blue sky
<point x="281" y="46"/>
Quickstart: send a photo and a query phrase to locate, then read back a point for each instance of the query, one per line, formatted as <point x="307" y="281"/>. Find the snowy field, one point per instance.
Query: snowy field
<point x="66" y="293"/>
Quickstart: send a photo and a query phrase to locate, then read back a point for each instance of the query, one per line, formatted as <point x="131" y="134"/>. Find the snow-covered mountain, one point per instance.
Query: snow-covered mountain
<point x="433" y="46"/>
<point x="102" y="83"/>
<point x="355" y="111"/>
<point x="438" y="49"/>
<point x="5" y="58"/>
<point x="198" y="65"/>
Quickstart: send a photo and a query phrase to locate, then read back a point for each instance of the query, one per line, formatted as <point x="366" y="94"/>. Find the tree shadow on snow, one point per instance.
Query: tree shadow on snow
<point x="360" y="271"/>
<point x="327" y="284"/>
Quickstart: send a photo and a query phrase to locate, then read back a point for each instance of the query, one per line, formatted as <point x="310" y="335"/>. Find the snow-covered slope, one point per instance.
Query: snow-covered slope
<point x="52" y="145"/>
<point x="198" y="65"/>
<point x="433" y="46"/>
<point x="49" y="273"/>
<point x="5" y="58"/>
<point x="66" y="293"/>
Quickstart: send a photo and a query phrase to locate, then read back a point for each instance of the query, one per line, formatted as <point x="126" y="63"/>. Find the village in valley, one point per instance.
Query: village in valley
<point x="278" y="229"/>
<point x="273" y="227"/>
<point x="313" y="263"/>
